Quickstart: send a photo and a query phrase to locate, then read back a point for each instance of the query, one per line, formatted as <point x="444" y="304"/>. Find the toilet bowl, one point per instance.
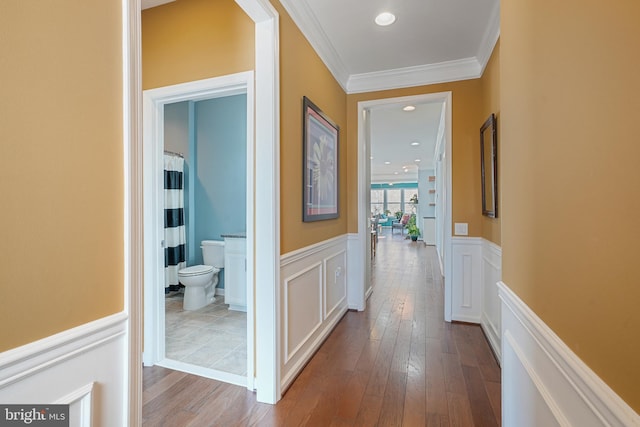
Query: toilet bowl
<point x="200" y="280"/>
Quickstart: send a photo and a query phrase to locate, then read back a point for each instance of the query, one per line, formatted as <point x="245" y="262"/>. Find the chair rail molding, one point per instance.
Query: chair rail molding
<point x="544" y="382"/>
<point x="63" y="368"/>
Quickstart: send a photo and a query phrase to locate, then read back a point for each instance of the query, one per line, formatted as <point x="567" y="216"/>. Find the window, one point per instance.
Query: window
<point x="394" y="200"/>
<point x="377" y="202"/>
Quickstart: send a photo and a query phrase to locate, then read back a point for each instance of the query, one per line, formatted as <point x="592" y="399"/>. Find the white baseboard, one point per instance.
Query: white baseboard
<point x="63" y="368"/>
<point x="313" y="292"/>
<point x="544" y="383"/>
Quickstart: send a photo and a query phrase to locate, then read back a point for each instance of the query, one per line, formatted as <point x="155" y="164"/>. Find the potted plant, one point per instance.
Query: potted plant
<point x="412" y="228"/>
<point x="398" y="215"/>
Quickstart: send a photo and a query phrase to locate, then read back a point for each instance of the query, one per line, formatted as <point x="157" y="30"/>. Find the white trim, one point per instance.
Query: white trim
<point x="314" y="265"/>
<point x="364" y="147"/>
<point x="21" y="362"/>
<point x="299" y="254"/>
<point x="63" y="368"/>
<point x="420" y="75"/>
<point x="133" y="216"/>
<point x="490" y="38"/>
<point x="491" y="275"/>
<point x="306" y="22"/>
<point x="201" y="371"/>
<point x="565" y="383"/>
<point x="83" y="398"/>
<point x="154" y="102"/>
<point x="355" y="274"/>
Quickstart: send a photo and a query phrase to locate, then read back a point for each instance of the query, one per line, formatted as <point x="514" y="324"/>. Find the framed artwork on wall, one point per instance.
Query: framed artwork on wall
<point x="489" y="166"/>
<point x="320" y="138"/>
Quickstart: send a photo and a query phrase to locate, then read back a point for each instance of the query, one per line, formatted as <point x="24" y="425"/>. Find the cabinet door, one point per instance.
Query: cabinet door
<point x="235" y="276"/>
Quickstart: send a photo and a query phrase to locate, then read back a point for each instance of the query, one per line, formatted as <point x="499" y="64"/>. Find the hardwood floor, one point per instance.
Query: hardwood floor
<point x="395" y="364"/>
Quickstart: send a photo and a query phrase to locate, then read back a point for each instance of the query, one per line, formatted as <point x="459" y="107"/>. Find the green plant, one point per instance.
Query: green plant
<point x="398" y="215"/>
<point x="412" y="228"/>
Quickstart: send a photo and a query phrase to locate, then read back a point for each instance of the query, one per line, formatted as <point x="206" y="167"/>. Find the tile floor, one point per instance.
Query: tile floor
<point x="212" y="337"/>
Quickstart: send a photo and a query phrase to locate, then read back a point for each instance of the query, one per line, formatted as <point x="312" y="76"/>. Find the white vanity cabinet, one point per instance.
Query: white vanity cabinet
<point x="235" y="273"/>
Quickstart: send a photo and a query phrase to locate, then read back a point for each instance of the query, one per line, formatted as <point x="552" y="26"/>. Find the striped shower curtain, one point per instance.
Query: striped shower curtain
<point x="174" y="228"/>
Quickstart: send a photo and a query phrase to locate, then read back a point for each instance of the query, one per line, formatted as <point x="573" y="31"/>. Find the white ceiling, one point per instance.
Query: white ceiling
<point x="392" y="132"/>
<point x="432" y="41"/>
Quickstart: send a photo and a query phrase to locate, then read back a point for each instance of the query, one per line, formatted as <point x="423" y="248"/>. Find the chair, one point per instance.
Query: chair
<point x="402" y="224"/>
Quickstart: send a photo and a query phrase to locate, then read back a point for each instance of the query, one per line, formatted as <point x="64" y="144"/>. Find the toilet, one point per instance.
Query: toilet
<point x="200" y="280"/>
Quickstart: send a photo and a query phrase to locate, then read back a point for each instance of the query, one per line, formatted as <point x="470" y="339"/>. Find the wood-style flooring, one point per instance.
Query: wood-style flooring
<point x="395" y="364"/>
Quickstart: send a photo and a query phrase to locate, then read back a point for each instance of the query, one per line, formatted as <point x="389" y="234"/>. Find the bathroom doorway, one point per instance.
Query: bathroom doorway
<point x="213" y="341"/>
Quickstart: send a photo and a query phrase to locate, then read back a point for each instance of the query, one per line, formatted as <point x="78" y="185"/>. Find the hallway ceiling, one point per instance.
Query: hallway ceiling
<point x="431" y="41"/>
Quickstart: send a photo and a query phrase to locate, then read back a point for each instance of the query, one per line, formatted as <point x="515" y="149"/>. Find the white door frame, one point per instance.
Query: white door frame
<point x="265" y="197"/>
<point x="154" y="101"/>
<point x="364" y="150"/>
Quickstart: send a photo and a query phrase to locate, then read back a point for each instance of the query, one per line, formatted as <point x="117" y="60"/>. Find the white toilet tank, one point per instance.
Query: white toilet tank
<point x="213" y="252"/>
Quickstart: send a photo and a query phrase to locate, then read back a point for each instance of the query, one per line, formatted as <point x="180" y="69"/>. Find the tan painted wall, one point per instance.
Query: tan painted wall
<point x="190" y="40"/>
<point x="570" y="102"/>
<point x="61" y="167"/>
<point x="466" y="122"/>
<point x="491" y="104"/>
<point x="302" y="73"/>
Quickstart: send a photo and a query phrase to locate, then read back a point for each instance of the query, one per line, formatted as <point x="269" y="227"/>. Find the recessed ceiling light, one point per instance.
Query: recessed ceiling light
<point x="395" y="173"/>
<point x="417" y="160"/>
<point x="409" y="108"/>
<point x="387" y="163"/>
<point x="415" y="143"/>
<point x="371" y="158"/>
<point x="385" y="18"/>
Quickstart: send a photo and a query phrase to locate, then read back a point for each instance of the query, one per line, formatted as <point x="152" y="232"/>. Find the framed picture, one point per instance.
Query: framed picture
<point x="489" y="166"/>
<point x="320" y="164"/>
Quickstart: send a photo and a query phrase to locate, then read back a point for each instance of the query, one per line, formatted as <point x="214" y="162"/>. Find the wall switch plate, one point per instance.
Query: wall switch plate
<point x="461" y="229"/>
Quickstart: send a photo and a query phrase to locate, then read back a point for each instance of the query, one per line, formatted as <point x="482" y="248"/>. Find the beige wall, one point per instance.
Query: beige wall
<point x="466" y="122"/>
<point x="61" y="167"/>
<point x="570" y="102"/>
<point x="491" y="229"/>
<point x="191" y="40"/>
<point x="302" y="73"/>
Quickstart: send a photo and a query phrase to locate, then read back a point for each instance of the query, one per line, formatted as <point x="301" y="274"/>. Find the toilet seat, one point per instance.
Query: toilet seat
<point x="196" y="270"/>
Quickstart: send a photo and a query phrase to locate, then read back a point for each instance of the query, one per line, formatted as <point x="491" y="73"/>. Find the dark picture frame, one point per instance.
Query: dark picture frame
<point x="489" y="165"/>
<point x="320" y="137"/>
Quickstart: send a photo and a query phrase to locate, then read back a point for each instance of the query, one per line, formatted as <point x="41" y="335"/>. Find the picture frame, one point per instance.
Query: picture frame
<point x="489" y="166"/>
<point x="320" y="137"/>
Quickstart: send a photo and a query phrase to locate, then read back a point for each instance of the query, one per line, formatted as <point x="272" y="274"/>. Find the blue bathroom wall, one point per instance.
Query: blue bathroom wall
<point x="220" y="168"/>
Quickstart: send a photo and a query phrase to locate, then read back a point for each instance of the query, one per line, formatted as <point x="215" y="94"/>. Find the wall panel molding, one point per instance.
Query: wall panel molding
<point x="313" y="293"/>
<point x="64" y="367"/>
<point x="491" y="275"/>
<point x="466" y="279"/>
<point x="545" y="382"/>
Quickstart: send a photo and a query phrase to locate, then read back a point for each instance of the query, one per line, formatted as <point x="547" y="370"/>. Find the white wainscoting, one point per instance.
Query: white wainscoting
<point x="466" y="279"/>
<point x="544" y="383"/>
<point x="313" y="292"/>
<point x="491" y="275"/>
<point x="84" y="367"/>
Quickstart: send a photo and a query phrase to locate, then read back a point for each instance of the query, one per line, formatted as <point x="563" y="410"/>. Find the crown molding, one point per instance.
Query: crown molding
<point x="147" y="4"/>
<point x="307" y="23"/>
<point x="449" y="71"/>
<point x="419" y="75"/>
<point x="490" y="38"/>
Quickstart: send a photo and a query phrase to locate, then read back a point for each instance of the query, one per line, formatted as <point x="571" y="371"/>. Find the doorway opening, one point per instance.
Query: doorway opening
<point x="440" y="164"/>
<point x="157" y="349"/>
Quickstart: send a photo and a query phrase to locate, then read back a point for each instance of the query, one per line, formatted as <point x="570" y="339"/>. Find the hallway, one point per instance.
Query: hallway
<point x="395" y="364"/>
